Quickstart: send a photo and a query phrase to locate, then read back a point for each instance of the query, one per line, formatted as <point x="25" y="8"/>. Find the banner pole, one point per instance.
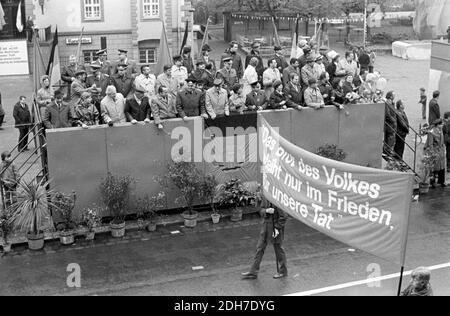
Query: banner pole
<point x="400" y="281"/>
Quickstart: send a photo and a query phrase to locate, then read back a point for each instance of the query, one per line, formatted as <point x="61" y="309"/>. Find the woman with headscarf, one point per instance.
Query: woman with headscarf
<point x="45" y="95"/>
<point x="435" y="146"/>
<point x="250" y="76"/>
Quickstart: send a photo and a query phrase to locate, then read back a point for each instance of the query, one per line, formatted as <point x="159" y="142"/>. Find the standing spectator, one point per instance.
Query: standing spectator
<point x="227" y="73"/>
<point x="147" y="81"/>
<point x="293" y="90"/>
<point x="137" y="108"/>
<point x="131" y="66"/>
<point x="165" y="79"/>
<point x="59" y="113"/>
<point x="9" y="178"/>
<point x="373" y="58"/>
<point x="320" y="65"/>
<point x="402" y="130"/>
<point x="44" y="95"/>
<point x="188" y="63"/>
<point x="348" y="65"/>
<point x="310" y="71"/>
<point x="312" y="95"/>
<point x="250" y="75"/>
<point x="423" y="102"/>
<point x="303" y="60"/>
<point x="300" y="49"/>
<point x="256" y="100"/>
<point x="201" y="74"/>
<point x="179" y="72"/>
<point x="390" y="125"/>
<point x="85" y="114"/>
<point x="207" y="59"/>
<point x="292" y="68"/>
<point x="69" y="71"/>
<point x="105" y="65"/>
<point x="237" y="100"/>
<point x="99" y="81"/>
<point x="2" y="113"/>
<point x="79" y="86"/>
<point x="237" y="61"/>
<point x="122" y="81"/>
<point x="216" y="103"/>
<point x="279" y="100"/>
<point x="436" y="145"/>
<point x="435" y="111"/>
<point x="364" y="60"/>
<point x="113" y="107"/>
<point x="326" y="89"/>
<point x="270" y="76"/>
<point x="280" y="59"/>
<point x="30" y="29"/>
<point x="255" y="53"/>
<point x="420" y="283"/>
<point x="22" y="117"/>
<point x="332" y="69"/>
<point x="162" y="108"/>
<point x="189" y="100"/>
<point x="446" y="131"/>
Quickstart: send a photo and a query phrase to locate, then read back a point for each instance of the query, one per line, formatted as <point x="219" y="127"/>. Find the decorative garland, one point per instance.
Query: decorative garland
<point x="302" y="19"/>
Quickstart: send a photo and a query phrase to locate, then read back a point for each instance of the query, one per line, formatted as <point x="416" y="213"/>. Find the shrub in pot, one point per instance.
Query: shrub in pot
<point x="115" y="192"/>
<point x="64" y="206"/>
<point x="31" y="210"/>
<point x="6" y="227"/>
<point x="331" y="152"/>
<point x="147" y="208"/>
<point x="91" y="219"/>
<point x="210" y="193"/>
<point x="234" y="194"/>
<point x="430" y="158"/>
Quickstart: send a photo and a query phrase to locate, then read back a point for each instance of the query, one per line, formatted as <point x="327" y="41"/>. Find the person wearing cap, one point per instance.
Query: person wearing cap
<point x="167" y="80"/>
<point x="202" y="74"/>
<point x="334" y="58"/>
<point x="313" y="97"/>
<point x="348" y="65"/>
<point x="320" y="65"/>
<point x="179" y="72"/>
<point x="434" y="108"/>
<point x="131" y="66"/>
<point x="147" y="81"/>
<point x="301" y="45"/>
<point x="58" y="114"/>
<point x="310" y="71"/>
<point x="279" y="100"/>
<point x="435" y="145"/>
<point x="68" y="72"/>
<point x="207" y="59"/>
<point x="255" y="53"/>
<point x="250" y="76"/>
<point x="279" y="57"/>
<point x="187" y="59"/>
<point x="292" y="68"/>
<point x="189" y="100"/>
<point x="256" y="100"/>
<point x="84" y="113"/>
<point x="137" y="108"/>
<point x="307" y="51"/>
<point x="293" y="89"/>
<point x="162" y="107"/>
<point x="227" y="73"/>
<point x="270" y="76"/>
<point x="79" y="86"/>
<point x="105" y="65"/>
<point x="122" y="81"/>
<point x="232" y="52"/>
<point x="100" y="81"/>
<point x="216" y="103"/>
<point x="390" y="125"/>
<point x="113" y="107"/>
<point x="45" y="95"/>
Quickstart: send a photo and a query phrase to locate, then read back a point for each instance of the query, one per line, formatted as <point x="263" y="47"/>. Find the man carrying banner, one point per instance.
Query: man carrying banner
<point x="273" y="230"/>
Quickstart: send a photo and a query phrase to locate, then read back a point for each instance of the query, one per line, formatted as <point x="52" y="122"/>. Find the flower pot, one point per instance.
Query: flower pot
<point x="35" y="241"/>
<point x="7" y="248"/>
<point x="142" y="224"/>
<point x="67" y="238"/>
<point x="190" y="220"/>
<point x="215" y="218"/>
<point x="424" y="188"/>
<point x="118" y="230"/>
<point x="236" y="215"/>
<point x="151" y="227"/>
<point x="90" y="236"/>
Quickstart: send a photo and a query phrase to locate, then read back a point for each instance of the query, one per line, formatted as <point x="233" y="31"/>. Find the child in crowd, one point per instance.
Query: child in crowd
<point x="420" y="283"/>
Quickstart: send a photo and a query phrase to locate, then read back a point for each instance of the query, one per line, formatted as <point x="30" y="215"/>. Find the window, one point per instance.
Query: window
<point x="89" y="56"/>
<point x="150" y="9"/>
<point x="147" y="56"/>
<point x="92" y="10"/>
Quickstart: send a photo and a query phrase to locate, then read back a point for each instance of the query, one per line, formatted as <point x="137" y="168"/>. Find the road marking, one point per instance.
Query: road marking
<point x="362" y="282"/>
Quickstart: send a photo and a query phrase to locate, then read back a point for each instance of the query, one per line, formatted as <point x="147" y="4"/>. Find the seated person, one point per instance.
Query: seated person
<point x="162" y="107"/>
<point x="237" y="100"/>
<point x="313" y="97"/>
<point x="279" y="100"/>
<point x="216" y="103"/>
<point x="189" y="100"/>
<point x="293" y="89"/>
<point x="84" y="113"/>
<point x="256" y="100"/>
<point x="137" y="108"/>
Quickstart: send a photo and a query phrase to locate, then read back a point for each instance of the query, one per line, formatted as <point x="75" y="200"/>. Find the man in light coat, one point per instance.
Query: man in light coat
<point x="217" y="100"/>
<point x="113" y="107"/>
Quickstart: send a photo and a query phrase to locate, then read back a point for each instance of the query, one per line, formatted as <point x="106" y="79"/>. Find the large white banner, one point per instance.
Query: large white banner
<point x="14" y="58"/>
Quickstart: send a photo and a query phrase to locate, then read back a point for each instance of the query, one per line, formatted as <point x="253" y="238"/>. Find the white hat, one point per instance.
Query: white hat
<point x="332" y="54"/>
<point x="302" y="43"/>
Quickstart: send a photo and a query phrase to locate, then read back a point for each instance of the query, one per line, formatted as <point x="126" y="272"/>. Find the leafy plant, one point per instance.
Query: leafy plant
<point x="91" y="217"/>
<point x="210" y="190"/>
<point x="116" y="191"/>
<point x="32" y="206"/>
<point x="233" y="193"/>
<point x="65" y="205"/>
<point x="430" y="159"/>
<point x="332" y="152"/>
<point x="6" y="226"/>
<point x="147" y="207"/>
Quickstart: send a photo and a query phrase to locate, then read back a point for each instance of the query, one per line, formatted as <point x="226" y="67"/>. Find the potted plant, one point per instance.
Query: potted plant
<point x="188" y="180"/>
<point x="64" y="206"/>
<point x="6" y="228"/>
<point x="332" y="152"/>
<point x="31" y="210"/>
<point x="429" y="160"/>
<point x="234" y="194"/>
<point x="115" y="192"/>
<point x="147" y="208"/>
<point x="209" y="192"/>
<point x="91" y="220"/>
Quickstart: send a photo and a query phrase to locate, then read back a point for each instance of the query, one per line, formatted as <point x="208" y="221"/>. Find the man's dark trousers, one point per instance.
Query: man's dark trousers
<point x="23" y="138"/>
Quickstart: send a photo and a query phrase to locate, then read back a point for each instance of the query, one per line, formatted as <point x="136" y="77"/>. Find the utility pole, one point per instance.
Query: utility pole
<point x="365" y="23"/>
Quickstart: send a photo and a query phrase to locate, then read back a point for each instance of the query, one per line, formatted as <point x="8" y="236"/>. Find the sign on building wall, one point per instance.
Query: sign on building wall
<point x="75" y="40"/>
<point x="14" y="58"/>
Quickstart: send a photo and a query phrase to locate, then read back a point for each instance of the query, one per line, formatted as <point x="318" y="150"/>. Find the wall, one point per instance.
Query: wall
<point x="440" y="74"/>
<point x="79" y="159"/>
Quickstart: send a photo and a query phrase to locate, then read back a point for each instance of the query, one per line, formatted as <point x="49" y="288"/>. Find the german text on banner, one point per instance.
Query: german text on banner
<point x="365" y="208"/>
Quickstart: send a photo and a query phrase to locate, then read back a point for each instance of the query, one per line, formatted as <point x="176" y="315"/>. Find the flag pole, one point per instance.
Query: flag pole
<point x="365" y="23"/>
<point x="79" y="47"/>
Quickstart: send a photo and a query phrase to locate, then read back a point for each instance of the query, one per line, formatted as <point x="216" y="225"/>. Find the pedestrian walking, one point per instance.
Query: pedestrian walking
<point x="420" y="283"/>
<point x="273" y="230"/>
<point x="22" y="116"/>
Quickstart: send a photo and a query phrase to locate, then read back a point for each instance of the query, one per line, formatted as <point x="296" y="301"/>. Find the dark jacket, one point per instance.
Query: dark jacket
<point x="278" y="218"/>
<point x="103" y="83"/>
<point x="327" y="90"/>
<point x="275" y="100"/>
<point x="258" y="99"/>
<point x="260" y="67"/>
<point x="402" y="123"/>
<point x="134" y="111"/>
<point x="237" y="63"/>
<point x="390" y="118"/>
<point x="69" y="72"/>
<point x="435" y="111"/>
<point x="56" y="117"/>
<point x="204" y="75"/>
<point x="124" y="85"/>
<point x="188" y="63"/>
<point x="132" y="69"/>
<point x="189" y="103"/>
<point x="287" y="73"/>
<point x="22" y="116"/>
<point x="281" y="63"/>
<point x="296" y="96"/>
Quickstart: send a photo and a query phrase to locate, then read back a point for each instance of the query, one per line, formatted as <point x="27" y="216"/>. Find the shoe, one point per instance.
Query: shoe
<point x="279" y="276"/>
<point x="249" y="276"/>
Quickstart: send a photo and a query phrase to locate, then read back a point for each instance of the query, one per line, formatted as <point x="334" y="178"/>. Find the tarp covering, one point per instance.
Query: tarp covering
<point x="432" y="18"/>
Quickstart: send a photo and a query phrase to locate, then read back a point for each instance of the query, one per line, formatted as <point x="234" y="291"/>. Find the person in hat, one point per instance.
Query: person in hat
<point x="207" y="58"/>
<point x="179" y="72"/>
<point x="99" y="80"/>
<point x="202" y="74"/>
<point x="312" y="96"/>
<point x="435" y="145"/>
<point x="300" y="49"/>
<point x="166" y="79"/>
<point x="310" y="71"/>
<point x="320" y="65"/>
<point x="147" y="81"/>
<point x="256" y="100"/>
<point x="131" y="65"/>
<point x="79" y="86"/>
<point x="162" y="107"/>
<point x="105" y="65"/>
<point x="232" y="51"/>
<point x="44" y="95"/>
<point x="187" y="59"/>
<point x="84" y="113"/>
<point x="280" y="59"/>
<point x="189" y="100"/>
<point x="113" y="107"/>
<point x="137" y="108"/>
<point x="123" y="81"/>
<point x="255" y="53"/>
<point x="216" y="103"/>
<point x="59" y="114"/>
<point x="68" y="72"/>
<point x="279" y="100"/>
<point x="307" y="51"/>
<point x="250" y="76"/>
<point x="270" y="76"/>
<point x="227" y="73"/>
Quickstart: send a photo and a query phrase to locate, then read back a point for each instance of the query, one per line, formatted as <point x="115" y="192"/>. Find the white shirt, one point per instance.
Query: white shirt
<point x="180" y="74"/>
<point x="113" y="111"/>
<point x="250" y="76"/>
<point x="148" y="84"/>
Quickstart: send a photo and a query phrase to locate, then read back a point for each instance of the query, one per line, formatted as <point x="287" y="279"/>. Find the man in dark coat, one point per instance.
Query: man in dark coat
<point x="227" y="73"/>
<point x="187" y="59"/>
<point x="105" y="65"/>
<point x="273" y="230"/>
<point x="22" y="116"/>
<point x="293" y="89"/>
<point x="137" y="108"/>
<point x="257" y="99"/>
<point x="434" y="111"/>
<point x="390" y="127"/>
<point x="189" y="100"/>
<point x="255" y="53"/>
<point x="101" y="82"/>
<point x="293" y="68"/>
<point x="237" y="61"/>
<point x="281" y="60"/>
<point x="131" y="66"/>
<point x="402" y="130"/>
<point x="122" y="81"/>
<point x="58" y="113"/>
